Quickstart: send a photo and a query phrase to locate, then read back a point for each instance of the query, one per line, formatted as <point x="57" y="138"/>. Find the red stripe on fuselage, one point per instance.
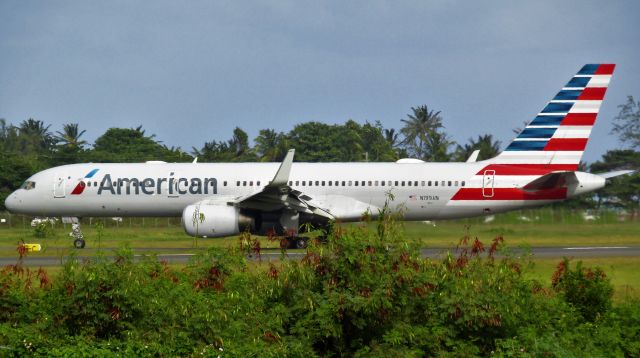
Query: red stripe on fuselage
<point x="566" y="144"/>
<point x="593" y="94"/>
<point x="510" y="194"/>
<point x="579" y="119"/>
<point x="605" y="69"/>
<point x="79" y="188"/>
<point x="527" y="169"/>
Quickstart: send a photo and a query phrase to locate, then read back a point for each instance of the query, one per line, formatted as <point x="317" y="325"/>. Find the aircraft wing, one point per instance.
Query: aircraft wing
<point x="278" y="194"/>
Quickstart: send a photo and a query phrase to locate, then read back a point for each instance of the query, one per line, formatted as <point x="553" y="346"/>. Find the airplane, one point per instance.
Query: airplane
<point x="540" y="166"/>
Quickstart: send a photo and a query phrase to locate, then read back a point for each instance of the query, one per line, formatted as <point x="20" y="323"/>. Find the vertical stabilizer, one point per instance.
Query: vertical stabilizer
<point x="556" y="138"/>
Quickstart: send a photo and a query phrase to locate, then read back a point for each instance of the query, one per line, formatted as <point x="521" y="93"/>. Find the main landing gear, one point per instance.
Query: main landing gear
<point x="296" y="242"/>
<point x="77" y="235"/>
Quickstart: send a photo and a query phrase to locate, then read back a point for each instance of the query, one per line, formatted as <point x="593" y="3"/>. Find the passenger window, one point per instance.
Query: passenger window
<point x="463" y="183"/>
<point x="224" y="183"/>
<point x="396" y="183"/>
<point x="238" y="183"/>
<point x="362" y="182"/>
<point x="258" y="183"/>
<point x="244" y="183"/>
<point x="251" y="183"/>
<point x="449" y="182"/>
<point x="376" y="184"/>
<point x="89" y="183"/>
<point x="415" y="183"/>
<point x="317" y="183"/>
<point x="422" y="183"/>
<point x="455" y="183"/>
<point x="435" y="183"/>
<point x="343" y="183"/>
<point x="382" y="183"/>
<point x="349" y="182"/>
<point x="370" y="183"/>
<point x="442" y="183"/>
<point x="403" y="183"/>
<point x="297" y="182"/>
<point x="409" y="183"/>
<point x="356" y="183"/>
<point x="429" y="183"/>
<point x="323" y="183"/>
<point x="310" y="182"/>
<point x="303" y="183"/>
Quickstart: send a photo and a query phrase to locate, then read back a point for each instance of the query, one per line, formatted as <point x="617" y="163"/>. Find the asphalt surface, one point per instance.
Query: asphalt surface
<point x="271" y="254"/>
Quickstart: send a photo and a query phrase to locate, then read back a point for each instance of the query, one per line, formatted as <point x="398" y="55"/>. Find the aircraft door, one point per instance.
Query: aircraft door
<point x="488" y="180"/>
<point x="59" y="184"/>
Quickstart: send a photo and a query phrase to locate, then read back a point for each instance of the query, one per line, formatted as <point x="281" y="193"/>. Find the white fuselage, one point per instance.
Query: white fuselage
<point x="424" y="191"/>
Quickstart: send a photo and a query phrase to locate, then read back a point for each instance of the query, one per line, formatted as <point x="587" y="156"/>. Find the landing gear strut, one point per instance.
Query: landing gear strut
<point x="76" y="233"/>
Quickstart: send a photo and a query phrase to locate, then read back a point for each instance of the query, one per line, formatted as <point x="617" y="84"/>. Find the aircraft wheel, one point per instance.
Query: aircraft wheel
<point x="78" y="243"/>
<point x="301" y="243"/>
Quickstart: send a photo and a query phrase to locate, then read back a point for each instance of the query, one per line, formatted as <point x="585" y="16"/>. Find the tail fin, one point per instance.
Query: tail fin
<point x="556" y="138"/>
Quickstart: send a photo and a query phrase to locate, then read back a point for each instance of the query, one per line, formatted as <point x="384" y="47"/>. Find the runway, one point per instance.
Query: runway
<point x="174" y="257"/>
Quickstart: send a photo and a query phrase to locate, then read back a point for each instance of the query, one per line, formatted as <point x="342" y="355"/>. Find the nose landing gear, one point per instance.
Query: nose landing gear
<point x="77" y="235"/>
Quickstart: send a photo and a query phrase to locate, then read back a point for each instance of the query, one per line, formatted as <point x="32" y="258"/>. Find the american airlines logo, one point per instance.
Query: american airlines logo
<point x="81" y="185"/>
<point x="151" y="186"/>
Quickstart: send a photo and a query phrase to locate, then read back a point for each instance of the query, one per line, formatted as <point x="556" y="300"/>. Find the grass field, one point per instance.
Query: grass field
<point x="544" y="228"/>
<point x="535" y="228"/>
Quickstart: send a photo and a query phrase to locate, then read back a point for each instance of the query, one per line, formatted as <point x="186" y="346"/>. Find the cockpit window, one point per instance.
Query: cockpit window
<point x="28" y="185"/>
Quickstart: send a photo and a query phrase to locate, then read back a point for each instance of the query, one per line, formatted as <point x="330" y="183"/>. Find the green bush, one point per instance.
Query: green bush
<point x="588" y="290"/>
<point x="366" y="292"/>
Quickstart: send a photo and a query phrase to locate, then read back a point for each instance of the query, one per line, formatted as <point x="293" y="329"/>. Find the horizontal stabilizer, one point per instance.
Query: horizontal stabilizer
<point x="551" y="181"/>
<point x="616" y="173"/>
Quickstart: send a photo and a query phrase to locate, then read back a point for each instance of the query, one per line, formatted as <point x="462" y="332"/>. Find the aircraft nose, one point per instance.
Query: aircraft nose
<point x="11" y="202"/>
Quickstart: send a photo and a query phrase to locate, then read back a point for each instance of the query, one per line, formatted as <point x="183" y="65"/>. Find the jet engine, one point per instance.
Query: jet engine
<point x="215" y="220"/>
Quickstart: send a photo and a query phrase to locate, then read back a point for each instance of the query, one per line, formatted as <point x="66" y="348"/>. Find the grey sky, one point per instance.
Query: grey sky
<point x="191" y="71"/>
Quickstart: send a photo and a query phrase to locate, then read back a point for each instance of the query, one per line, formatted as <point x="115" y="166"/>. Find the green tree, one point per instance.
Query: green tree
<point x="132" y="145"/>
<point x="424" y="135"/>
<point x="624" y="191"/>
<point x="69" y="147"/>
<point x="236" y="149"/>
<point x="488" y="147"/>
<point x="70" y="136"/>
<point x="627" y="123"/>
<point x="374" y="143"/>
<point x="34" y="137"/>
<point x="271" y="146"/>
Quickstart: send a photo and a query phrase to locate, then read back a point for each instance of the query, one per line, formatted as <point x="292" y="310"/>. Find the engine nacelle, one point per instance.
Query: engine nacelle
<point x="214" y="220"/>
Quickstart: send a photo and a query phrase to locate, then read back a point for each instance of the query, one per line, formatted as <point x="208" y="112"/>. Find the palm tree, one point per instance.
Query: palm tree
<point x="391" y="136"/>
<point x="34" y="136"/>
<point x="70" y="136"/>
<point x="423" y="134"/>
<point x="270" y="145"/>
<point x="485" y="143"/>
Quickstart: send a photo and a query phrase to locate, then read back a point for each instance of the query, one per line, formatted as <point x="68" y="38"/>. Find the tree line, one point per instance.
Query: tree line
<point x="31" y="146"/>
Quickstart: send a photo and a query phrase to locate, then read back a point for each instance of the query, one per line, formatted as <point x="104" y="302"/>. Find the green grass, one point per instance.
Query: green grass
<point x="545" y="228"/>
<point x="623" y="272"/>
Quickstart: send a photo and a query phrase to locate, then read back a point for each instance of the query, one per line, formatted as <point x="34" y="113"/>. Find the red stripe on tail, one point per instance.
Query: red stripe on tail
<point x="566" y="144"/>
<point x="579" y="119"/>
<point x="593" y="93"/>
<point x="605" y="69"/>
